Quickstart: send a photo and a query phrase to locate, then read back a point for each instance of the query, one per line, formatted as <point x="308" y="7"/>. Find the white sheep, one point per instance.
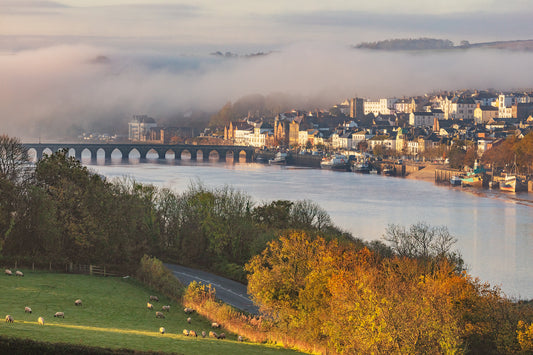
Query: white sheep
<point x="159" y="315"/>
<point x="154" y="298"/>
<point x="189" y="320"/>
<point x="239" y="338"/>
<point x="78" y="302"/>
<point x="9" y="319"/>
<point x="149" y="305"/>
<point x="8" y="272"/>
<point x="213" y="334"/>
<point x="27" y="310"/>
<point x="59" y="315"/>
<point x="40" y="320"/>
<point x="162" y="330"/>
<point x="166" y="308"/>
<point x="192" y="333"/>
<point x="185" y="332"/>
<point x="188" y="310"/>
<point x="203" y="334"/>
<point x="222" y="336"/>
<point x="19" y="273"/>
<point x="215" y="325"/>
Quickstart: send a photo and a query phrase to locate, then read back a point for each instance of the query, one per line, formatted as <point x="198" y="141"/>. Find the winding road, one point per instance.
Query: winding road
<point x="228" y="291"/>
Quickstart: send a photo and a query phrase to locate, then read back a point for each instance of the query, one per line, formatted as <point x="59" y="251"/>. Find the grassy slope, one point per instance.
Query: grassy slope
<point x="114" y="315"/>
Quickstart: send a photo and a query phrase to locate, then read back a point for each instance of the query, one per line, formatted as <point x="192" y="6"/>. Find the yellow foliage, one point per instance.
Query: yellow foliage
<point x="525" y="336"/>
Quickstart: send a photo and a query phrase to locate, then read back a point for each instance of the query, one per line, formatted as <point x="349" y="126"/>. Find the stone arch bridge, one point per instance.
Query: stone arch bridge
<point x="143" y="149"/>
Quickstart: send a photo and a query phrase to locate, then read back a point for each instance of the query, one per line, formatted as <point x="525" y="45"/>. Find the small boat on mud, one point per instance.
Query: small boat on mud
<point x="456" y="180"/>
<point x="279" y="159"/>
<point x="361" y="167"/>
<point x="388" y="170"/>
<point x="475" y="178"/>
<point x="472" y="180"/>
<point x="513" y="183"/>
<point x="335" y="162"/>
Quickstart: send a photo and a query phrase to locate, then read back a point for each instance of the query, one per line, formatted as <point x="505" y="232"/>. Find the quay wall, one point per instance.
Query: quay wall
<point x="444" y="174"/>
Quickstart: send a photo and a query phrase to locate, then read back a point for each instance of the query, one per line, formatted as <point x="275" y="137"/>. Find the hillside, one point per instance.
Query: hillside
<point x="113" y="315"/>
<point x="423" y="44"/>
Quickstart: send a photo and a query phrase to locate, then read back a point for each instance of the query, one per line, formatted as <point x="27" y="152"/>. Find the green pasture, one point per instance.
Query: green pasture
<point x="114" y="314"/>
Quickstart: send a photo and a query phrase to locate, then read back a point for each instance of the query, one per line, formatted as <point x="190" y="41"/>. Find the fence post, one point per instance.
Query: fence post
<point x="104" y="270"/>
<point x="15" y="264"/>
<point x="50" y="266"/>
<point x="90" y="269"/>
<point x="33" y="266"/>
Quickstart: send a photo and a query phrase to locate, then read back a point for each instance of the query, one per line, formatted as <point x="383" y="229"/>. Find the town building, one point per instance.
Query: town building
<point x="139" y="127"/>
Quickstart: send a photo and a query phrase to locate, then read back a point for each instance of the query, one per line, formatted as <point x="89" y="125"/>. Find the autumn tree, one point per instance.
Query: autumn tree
<point x="13" y="158"/>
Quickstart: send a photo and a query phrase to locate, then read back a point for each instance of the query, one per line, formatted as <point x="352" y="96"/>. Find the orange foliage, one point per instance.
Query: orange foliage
<point x="348" y="299"/>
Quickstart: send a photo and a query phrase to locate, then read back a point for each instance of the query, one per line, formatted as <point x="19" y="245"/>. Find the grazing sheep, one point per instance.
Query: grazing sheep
<point x="40" y="320"/>
<point x="222" y="336"/>
<point x="9" y="319"/>
<point x="239" y="338"/>
<point x="154" y="298"/>
<point x="166" y="308"/>
<point x="149" y="305"/>
<point x="185" y="332"/>
<point x="77" y="302"/>
<point x="8" y="272"/>
<point x="159" y="315"/>
<point x="162" y="330"/>
<point x="213" y="334"/>
<point x="189" y="320"/>
<point x="19" y="273"/>
<point x="203" y="334"/>
<point x="27" y="310"/>
<point x="192" y="333"/>
<point x="215" y="325"/>
<point x="188" y="310"/>
<point x="59" y="314"/>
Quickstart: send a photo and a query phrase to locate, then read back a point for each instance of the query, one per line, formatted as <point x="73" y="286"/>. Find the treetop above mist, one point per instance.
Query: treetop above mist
<point x="413" y="44"/>
<point x="402" y="44"/>
<point x="235" y="55"/>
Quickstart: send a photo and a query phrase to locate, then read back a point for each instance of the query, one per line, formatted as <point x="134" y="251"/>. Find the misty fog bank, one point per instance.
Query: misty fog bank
<point x="62" y="90"/>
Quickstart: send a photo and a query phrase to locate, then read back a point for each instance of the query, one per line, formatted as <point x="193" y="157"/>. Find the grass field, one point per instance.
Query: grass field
<point x="113" y="315"/>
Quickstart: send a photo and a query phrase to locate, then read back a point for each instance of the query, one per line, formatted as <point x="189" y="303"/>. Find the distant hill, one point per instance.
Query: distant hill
<point x="418" y="44"/>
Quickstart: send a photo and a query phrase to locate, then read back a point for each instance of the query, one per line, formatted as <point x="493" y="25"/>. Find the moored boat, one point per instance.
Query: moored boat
<point x="279" y="159"/>
<point x="456" y="180"/>
<point x="388" y="170"/>
<point x="335" y="162"/>
<point x="472" y="180"/>
<point x="360" y="167"/>
<point x="513" y="183"/>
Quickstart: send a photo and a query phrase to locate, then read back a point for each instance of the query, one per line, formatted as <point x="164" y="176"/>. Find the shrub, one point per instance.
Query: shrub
<point x="154" y="274"/>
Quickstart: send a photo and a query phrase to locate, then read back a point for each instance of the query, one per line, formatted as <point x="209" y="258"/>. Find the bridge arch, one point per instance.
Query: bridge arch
<point x="170" y="154"/>
<point x="134" y="154"/>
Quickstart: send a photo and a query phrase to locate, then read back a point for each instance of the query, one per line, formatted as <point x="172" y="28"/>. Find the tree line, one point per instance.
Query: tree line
<point x="61" y="212"/>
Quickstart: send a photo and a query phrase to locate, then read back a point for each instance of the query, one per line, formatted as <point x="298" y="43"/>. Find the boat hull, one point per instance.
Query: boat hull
<point x="512" y="184"/>
<point x="472" y="181"/>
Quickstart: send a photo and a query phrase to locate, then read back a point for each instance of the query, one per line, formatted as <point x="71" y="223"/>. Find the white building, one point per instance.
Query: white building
<point x="139" y="127"/>
<point x="360" y="136"/>
<point x="421" y="119"/>
<point x="383" y="106"/>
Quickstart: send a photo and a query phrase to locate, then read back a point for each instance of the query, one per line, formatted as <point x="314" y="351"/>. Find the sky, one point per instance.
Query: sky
<point x="157" y="55"/>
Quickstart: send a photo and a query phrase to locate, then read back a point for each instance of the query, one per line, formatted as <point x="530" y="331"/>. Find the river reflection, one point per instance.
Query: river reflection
<point x="494" y="230"/>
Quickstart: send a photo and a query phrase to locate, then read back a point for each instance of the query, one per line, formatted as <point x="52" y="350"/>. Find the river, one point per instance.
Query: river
<point x="494" y="230"/>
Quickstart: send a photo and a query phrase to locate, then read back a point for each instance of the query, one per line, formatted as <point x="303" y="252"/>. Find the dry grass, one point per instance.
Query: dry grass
<point x="256" y="329"/>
